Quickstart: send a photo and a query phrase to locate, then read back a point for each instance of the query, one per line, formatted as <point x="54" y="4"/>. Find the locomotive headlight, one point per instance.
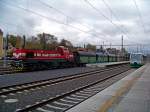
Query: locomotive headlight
<point x="23" y="54"/>
<point x="14" y="54"/>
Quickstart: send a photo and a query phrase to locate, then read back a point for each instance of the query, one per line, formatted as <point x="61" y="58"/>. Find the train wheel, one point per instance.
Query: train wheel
<point x="21" y="67"/>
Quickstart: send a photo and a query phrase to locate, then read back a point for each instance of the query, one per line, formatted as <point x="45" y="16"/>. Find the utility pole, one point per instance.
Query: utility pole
<point x="122" y="45"/>
<point x="1" y="44"/>
<point x="137" y="48"/>
<point x="44" y="41"/>
<point x="103" y="44"/>
<point x="24" y="42"/>
<point x="5" y="50"/>
<point x="141" y="48"/>
<point x="110" y="45"/>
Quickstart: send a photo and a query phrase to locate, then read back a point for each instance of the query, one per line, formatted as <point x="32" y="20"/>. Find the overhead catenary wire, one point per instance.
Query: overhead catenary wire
<point x="109" y="20"/>
<point x="140" y="16"/>
<point x="113" y="13"/>
<point x="110" y="10"/>
<point x="97" y="10"/>
<point x="49" y="18"/>
<point x="43" y="16"/>
<point x="68" y="17"/>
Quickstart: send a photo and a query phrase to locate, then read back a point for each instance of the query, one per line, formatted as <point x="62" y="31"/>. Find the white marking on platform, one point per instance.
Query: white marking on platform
<point x="19" y="92"/>
<point x="38" y="88"/>
<point x="32" y="89"/>
<point x="11" y="100"/>
<point x="47" y="85"/>
<point x="4" y="89"/>
<point x="63" y="104"/>
<point x="3" y="96"/>
<point x="90" y="90"/>
<point x="84" y="94"/>
<point x="44" y="100"/>
<point x="30" y="84"/>
<point x="69" y="101"/>
<point x="24" y="86"/>
<point x="74" y="98"/>
<point x="18" y="109"/>
<point x="28" y="106"/>
<point x="26" y="90"/>
<point x="55" y="107"/>
<point x="18" y="87"/>
<point x="12" y="88"/>
<point x="43" y="110"/>
<point x="11" y="94"/>
<point x="82" y="97"/>
<point x="37" y="102"/>
<point x="43" y="87"/>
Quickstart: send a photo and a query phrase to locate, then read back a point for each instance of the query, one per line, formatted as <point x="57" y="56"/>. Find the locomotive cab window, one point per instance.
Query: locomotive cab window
<point x="30" y="55"/>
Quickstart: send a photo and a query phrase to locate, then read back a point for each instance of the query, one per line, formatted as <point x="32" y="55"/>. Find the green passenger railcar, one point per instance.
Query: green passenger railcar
<point x="83" y="57"/>
<point x="136" y="60"/>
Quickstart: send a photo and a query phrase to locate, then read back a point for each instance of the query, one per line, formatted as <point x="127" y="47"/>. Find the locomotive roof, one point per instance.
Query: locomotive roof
<point x="137" y="53"/>
<point x="104" y="54"/>
<point x="101" y="54"/>
<point x="86" y="53"/>
<point x="94" y="53"/>
<point x="31" y="50"/>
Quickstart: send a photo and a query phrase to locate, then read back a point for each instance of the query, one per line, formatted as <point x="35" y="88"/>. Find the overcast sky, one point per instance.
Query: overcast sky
<point x="77" y="21"/>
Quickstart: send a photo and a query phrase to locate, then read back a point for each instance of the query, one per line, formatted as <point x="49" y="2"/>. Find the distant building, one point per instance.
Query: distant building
<point x="18" y="42"/>
<point x="1" y="44"/>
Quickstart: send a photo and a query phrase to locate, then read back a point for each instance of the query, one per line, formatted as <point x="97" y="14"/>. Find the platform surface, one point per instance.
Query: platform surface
<point x="130" y="94"/>
<point x="106" y="64"/>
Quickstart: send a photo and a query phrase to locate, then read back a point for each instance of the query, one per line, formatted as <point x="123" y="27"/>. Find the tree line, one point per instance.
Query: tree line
<point x="42" y="41"/>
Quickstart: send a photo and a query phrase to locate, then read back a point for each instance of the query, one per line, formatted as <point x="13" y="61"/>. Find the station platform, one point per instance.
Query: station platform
<point x="130" y="94"/>
<point x="106" y="64"/>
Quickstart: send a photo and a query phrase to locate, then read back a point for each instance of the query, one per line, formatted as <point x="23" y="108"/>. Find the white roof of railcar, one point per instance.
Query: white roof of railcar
<point x="137" y="53"/>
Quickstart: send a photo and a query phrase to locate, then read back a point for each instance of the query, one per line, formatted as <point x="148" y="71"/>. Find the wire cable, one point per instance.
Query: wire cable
<point x="97" y="10"/>
<point x="49" y="18"/>
<point x="51" y="7"/>
<point x="140" y="16"/>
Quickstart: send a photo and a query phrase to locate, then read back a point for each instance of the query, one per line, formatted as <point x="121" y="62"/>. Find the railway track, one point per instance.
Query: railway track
<point x="5" y="70"/>
<point x="31" y="85"/>
<point x="64" y="103"/>
<point x="83" y="81"/>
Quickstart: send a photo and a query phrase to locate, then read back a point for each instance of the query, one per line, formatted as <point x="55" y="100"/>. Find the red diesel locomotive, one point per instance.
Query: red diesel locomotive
<point x="26" y="59"/>
<point x="42" y="59"/>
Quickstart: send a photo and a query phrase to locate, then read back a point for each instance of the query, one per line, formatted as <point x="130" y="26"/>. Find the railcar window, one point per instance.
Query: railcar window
<point x="136" y="56"/>
<point x="30" y="55"/>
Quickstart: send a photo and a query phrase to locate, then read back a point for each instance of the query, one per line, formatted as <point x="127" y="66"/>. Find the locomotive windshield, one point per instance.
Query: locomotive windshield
<point x="30" y="55"/>
<point x="135" y="56"/>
